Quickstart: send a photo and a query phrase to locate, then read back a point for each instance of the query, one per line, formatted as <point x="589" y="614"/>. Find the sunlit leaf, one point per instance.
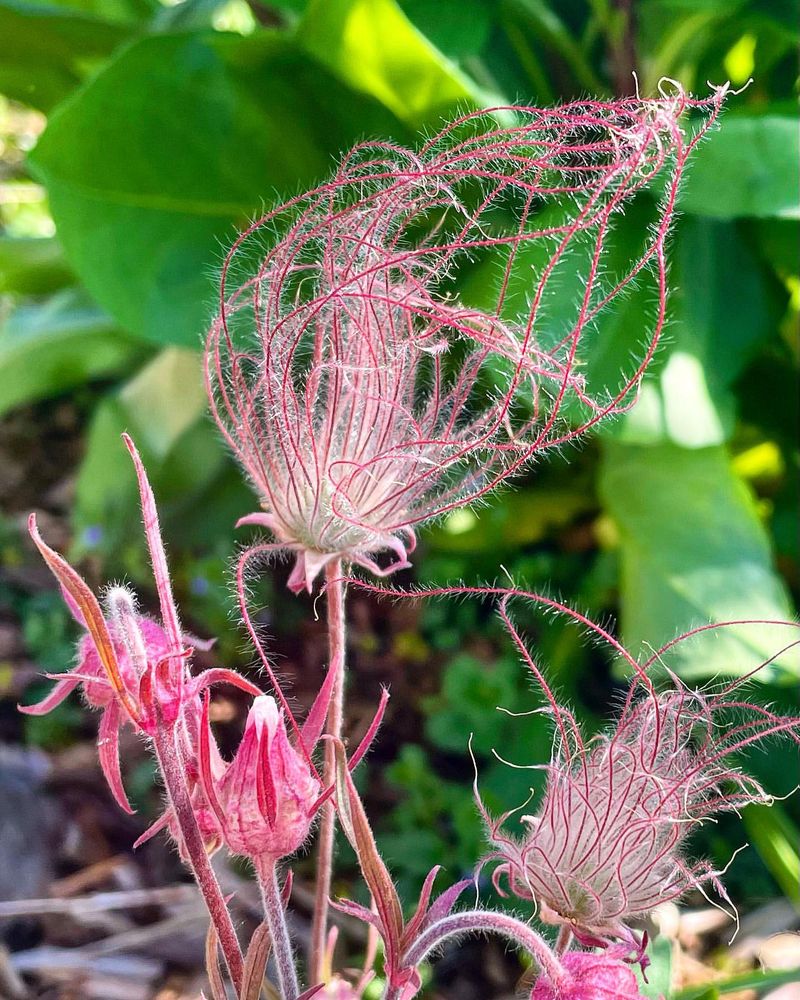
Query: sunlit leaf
<point x="751" y="166"/>
<point x="371" y="45"/>
<point x="724" y="304"/>
<point x="694" y="551"/>
<point x="152" y="167"/>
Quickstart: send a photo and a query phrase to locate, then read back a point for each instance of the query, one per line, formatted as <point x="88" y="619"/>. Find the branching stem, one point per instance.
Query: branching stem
<point x="482" y="921"/>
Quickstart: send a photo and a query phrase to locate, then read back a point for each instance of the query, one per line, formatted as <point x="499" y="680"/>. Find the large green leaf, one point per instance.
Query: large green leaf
<point x="694" y="551"/>
<point x="777" y="839"/>
<point x="47" y="348"/>
<point x="750" y="167"/>
<point x="153" y="165"/>
<point x="459" y="28"/>
<point x="46" y="51"/>
<point x="373" y="46"/>
<point x="724" y="303"/>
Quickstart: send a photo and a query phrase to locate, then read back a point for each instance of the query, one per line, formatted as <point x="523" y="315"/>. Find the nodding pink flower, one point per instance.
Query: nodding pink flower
<point x="608" y="842"/>
<point x="265" y="800"/>
<point x="390" y="349"/>
<point x="589" y="976"/>
<point x="132" y="668"/>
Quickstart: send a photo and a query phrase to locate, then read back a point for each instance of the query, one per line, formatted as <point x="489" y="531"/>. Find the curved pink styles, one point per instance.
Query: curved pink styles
<point x="398" y="341"/>
<point x="589" y="976"/>
<point x="608" y="842"/>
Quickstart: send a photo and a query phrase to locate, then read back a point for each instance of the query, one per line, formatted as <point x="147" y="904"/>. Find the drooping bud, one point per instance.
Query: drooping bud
<point x="589" y="977"/>
<point x="265" y="799"/>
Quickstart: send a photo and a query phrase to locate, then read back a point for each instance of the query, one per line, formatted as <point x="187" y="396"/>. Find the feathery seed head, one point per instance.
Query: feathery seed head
<point x="398" y="341"/>
<point x="608" y="842"/>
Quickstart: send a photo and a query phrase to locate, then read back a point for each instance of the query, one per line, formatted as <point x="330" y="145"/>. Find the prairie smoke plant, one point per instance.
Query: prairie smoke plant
<point x="389" y="346"/>
<point x="608" y="842"/>
<point x="386" y="348"/>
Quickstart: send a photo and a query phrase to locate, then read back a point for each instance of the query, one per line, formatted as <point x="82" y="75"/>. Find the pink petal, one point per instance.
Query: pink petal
<point x="108" y="751"/>
<point x="56" y="696"/>
<point x="169" y="612"/>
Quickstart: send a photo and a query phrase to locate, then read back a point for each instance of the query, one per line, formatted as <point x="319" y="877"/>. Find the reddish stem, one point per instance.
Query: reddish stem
<point x="334" y="592"/>
<point x="172" y="771"/>
<point x="563" y="940"/>
<point x="482" y="922"/>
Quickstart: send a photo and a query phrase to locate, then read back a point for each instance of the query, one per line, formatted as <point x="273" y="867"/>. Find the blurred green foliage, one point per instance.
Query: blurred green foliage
<point x="170" y="125"/>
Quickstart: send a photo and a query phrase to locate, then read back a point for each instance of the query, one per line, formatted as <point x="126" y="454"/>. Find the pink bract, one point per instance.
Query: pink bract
<point x="385" y="349"/>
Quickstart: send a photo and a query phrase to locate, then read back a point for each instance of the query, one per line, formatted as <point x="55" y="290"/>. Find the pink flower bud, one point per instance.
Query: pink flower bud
<point x="590" y="977"/>
<point x="265" y="799"/>
<point x="340" y="989"/>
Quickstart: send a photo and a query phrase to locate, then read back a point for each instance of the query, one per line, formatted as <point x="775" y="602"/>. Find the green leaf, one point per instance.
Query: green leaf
<point x="46" y="51"/>
<point x="760" y="981"/>
<point x="750" y="167"/>
<point x="371" y="45"/>
<point x="776" y="838"/>
<point x="47" y="348"/>
<point x="694" y="551"/>
<point x="123" y="11"/>
<point x="723" y="306"/>
<point x="164" y="409"/>
<point x="468" y="704"/>
<point x="458" y="28"/>
<point x="166" y="398"/>
<point x="152" y="167"/>
<point x="32" y="266"/>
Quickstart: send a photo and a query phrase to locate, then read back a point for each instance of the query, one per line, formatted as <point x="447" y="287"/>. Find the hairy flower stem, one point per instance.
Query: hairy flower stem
<point x="563" y="940"/>
<point x="172" y="771"/>
<point x="276" y="921"/>
<point x="481" y="922"/>
<point x="334" y="593"/>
